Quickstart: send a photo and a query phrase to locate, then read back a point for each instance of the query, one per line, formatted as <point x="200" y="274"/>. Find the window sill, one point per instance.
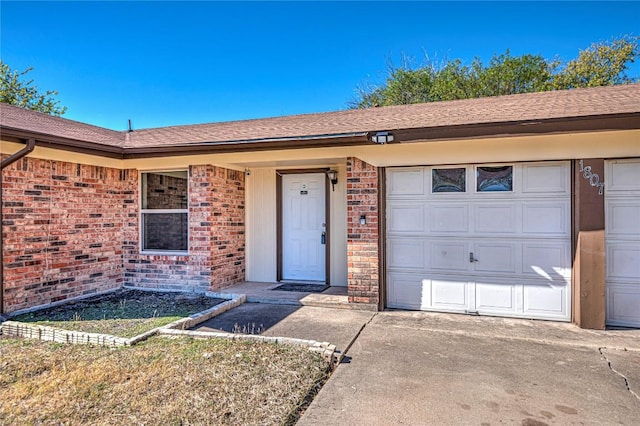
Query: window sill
<point x="163" y="253"/>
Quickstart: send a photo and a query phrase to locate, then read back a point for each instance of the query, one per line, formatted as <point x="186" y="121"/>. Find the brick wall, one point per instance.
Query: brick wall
<point x="362" y="240"/>
<point x="216" y="238"/>
<point x="228" y="229"/>
<point x="71" y="230"/>
<point x="62" y="231"/>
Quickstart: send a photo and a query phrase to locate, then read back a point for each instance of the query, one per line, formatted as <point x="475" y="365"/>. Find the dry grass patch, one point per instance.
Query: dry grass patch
<point x="161" y="381"/>
<point x="124" y="313"/>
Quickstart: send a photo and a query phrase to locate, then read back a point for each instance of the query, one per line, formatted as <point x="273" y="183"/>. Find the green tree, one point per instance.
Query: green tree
<point x="600" y="64"/>
<point x="15" y="90"/>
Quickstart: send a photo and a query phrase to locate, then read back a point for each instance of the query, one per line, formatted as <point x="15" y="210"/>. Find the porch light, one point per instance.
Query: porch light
<point x="333" y="177"/>
<point x="382" y="138"/>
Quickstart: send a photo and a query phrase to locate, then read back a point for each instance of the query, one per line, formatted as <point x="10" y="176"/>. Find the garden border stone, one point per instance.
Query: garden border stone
<point x="53" y="334"/>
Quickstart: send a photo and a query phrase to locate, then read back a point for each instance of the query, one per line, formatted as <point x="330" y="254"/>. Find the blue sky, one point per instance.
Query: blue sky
<point x="166" y="63"/>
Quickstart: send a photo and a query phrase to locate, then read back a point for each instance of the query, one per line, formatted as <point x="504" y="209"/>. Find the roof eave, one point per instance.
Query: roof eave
<point x="61" y="143"/>
<point x="272" y="144"/>
<point x="604" y="122"/>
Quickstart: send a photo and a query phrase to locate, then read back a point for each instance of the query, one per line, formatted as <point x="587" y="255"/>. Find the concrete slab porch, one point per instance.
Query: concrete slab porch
<point x="257" y="292"/>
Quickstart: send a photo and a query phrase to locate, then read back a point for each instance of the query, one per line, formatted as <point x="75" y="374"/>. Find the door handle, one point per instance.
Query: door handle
<point x="471" y="258"/>
<point x="323" y="238"/>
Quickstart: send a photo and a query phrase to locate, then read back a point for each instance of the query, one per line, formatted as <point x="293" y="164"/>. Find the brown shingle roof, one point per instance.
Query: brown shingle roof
<point x="12" y="117"/>
<point x="565" y="104"/>
<point x="530" y="106"/>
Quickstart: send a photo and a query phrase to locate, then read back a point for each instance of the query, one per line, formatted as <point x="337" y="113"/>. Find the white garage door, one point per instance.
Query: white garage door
<point x="486" y="239"/>
<point x="622" y="225"/>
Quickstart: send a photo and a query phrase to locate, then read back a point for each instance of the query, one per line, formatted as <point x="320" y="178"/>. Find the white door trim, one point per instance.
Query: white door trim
<point x="322" y="273"/>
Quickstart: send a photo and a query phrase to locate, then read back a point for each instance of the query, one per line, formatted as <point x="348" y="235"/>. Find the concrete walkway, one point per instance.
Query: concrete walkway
<point x="336" y="326"/>
<point x="423" y="368"/>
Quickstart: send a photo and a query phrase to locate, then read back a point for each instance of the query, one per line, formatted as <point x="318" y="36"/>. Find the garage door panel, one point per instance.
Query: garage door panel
<point x="623" y="302"/>
<point x="496" y="297"/>
<point x="409" y="181"/>
<point x="449" y="218"/>
<point x="550" y="261"/>
<point x="622" y="219"/>
<point x="495" y="218"/>
<point x="623" y="262"/>
<point x="406" y="291"/>
<point x="546" y="300"/>
<point x="623" y="176"/>
<point x="448" y="294"/>
<point x="406" y="253"/>
<point x="545" y="178"/>
<point x="449" y="256"/>
<point x="495" y="257"/>
<point x="546" y="218"/>
<point x="406" y="218"/>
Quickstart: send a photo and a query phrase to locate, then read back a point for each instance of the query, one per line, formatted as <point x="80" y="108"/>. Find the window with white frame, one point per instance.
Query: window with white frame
<point x="164" y="213"/>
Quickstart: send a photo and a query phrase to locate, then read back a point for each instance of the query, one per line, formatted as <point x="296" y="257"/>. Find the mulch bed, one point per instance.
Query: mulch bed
<point x="124" y="313"/>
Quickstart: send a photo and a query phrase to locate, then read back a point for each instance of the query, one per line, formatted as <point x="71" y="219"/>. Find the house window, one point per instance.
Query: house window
<point x="494" y="179"/>
<point x="164" y="216"/>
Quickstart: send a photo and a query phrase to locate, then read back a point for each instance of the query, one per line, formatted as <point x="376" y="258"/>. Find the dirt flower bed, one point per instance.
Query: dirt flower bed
<point x="124" y="313"/>
<point x="160" y="381"/>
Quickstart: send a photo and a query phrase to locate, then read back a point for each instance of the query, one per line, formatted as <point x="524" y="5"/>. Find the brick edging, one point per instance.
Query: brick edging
<point x="53" y="334"/>
<point x="327" y="349"/>
<point x="175" y="329"/>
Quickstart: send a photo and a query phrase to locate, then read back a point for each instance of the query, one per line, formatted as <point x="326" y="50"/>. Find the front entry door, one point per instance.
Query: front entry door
<point x="303" y="227"/>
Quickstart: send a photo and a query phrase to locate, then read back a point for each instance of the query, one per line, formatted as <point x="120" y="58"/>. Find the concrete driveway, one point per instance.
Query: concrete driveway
<point x="419" y="368"/>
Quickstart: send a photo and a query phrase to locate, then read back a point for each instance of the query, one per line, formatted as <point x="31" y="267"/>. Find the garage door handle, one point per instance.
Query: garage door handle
<point x="471" y="258"/>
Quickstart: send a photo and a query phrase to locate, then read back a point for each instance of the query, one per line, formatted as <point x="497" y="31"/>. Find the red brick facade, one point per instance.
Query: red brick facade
<point x="216" y="238"/>
<point x="71" y="230"/>
<point x="362" y="240"/>
<point x="62" y="229"/>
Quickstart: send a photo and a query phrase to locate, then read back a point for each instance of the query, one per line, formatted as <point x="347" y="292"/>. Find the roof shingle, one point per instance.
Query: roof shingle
<point x="565" y="104"/>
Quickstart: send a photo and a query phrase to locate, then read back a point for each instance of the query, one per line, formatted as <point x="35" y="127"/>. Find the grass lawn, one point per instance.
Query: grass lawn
<point x="161" y="381"/>
<point x="124" y="313"/>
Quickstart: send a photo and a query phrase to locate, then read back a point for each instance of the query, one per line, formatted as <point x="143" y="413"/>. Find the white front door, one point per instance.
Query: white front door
<point x="491" y="239"/>
<point x="622" y="233"/>
<point x="303" y="227"/>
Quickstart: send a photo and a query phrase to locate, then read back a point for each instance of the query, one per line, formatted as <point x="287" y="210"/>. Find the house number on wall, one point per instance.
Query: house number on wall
<point x="593" y="178"/>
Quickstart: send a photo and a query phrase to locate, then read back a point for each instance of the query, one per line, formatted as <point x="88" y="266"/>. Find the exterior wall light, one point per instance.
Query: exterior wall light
<point x="363" y="220"/>
<point x="333" y="177"/>
<point x="382" y="138"/>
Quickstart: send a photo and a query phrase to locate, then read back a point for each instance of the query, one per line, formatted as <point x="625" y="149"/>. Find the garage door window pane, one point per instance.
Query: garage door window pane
<point x="494" y="179"/>
<point x="448" y="180"/>
<point x="165" y="231"/>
